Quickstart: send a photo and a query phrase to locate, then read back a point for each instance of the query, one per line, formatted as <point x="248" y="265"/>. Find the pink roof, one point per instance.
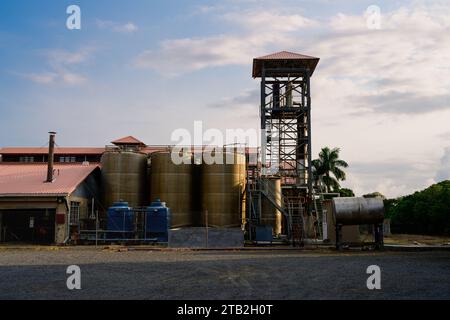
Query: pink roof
<point x="128" y="140"/>
<point x="281" y="60"/>
<point x="58" y="150"/>
<point x="28" y="179"/>
<point x="285" y="55"/>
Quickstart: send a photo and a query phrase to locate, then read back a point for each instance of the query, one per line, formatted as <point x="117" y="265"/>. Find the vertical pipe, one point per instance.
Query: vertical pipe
<point x="308" y="102"/>
<point x="276" y="95"/>
<point x="96" y="228"/>
<point x="51" y="153"/>
<point x="263" y="122"/>
<point x="206" y="226"/>
<point x="289" y="93"/>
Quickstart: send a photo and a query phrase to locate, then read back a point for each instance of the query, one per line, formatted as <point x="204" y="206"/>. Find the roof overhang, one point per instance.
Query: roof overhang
<point x="284" y="64"/>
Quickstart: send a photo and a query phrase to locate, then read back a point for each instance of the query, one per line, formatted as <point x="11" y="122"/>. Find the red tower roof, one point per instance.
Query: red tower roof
<point x="284" y="59"/>
<point x="128" y="140"/>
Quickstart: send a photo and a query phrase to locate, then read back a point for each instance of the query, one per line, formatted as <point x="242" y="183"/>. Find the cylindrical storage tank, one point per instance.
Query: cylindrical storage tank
<point x="171" y="182"/>
<point x="355" y="211"/>
<point x="270" y="215"/>
<point x="223" y="189"/>
<point x="124" y="178"/>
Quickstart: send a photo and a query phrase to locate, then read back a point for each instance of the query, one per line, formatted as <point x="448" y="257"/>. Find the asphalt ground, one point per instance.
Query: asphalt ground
<point x="237" y="275"/>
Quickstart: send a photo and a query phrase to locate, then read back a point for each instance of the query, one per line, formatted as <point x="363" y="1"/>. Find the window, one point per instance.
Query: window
<point x="74" y="213"/>
<point x="67" y="159"/>
<point x="26" y="159"/>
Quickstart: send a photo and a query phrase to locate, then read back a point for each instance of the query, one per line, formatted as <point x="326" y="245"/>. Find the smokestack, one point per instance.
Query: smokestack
<point x="289" y="93"/>
<point x="51" y="153"/>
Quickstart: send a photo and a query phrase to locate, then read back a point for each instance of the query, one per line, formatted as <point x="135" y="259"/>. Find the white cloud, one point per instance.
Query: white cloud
<point x="72" y="78"/>
<point x="267" y="20"/>
<point x="261" y="31"/>
<point x="444" y="168"/>
<point x="185" y="55"/>
<point x="41" y="78"/>
<point x="244" y="100"/>
<point x="61" y="63"/>
<point x="128" y="27"/>
<point x="58" y="57"/>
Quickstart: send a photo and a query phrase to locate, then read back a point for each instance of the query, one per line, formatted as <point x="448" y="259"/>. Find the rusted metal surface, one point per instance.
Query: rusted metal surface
<point x="172" y="184"/>
<point x="223" y="186"/>
<point x="124" y="178"/>
<point x="354" y="211"/>
<point x="270" y="215"/>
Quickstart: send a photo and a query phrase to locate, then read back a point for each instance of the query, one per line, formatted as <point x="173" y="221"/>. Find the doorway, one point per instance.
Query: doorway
<point x="28" y="226"/>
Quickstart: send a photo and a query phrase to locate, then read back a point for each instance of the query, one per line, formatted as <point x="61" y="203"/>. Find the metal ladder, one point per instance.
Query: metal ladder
<point x="296" y="223"/>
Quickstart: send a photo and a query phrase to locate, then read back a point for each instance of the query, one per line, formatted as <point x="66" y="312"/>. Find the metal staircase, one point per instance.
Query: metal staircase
<point x="296" y="223"/>
<point x="318" y="211"/>
<point x="292" y="209"/>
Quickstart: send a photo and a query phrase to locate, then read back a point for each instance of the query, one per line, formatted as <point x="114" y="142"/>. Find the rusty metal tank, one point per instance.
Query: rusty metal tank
<point x="355" y="211"/>
<point x="223" y="190"/>
<point x="171" y="182"/>
<point x="270" y="215"/>
<point x="123" y="178"/>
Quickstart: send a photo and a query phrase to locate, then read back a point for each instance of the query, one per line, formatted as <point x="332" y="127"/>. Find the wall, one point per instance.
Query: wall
<point x="61" y="229"/>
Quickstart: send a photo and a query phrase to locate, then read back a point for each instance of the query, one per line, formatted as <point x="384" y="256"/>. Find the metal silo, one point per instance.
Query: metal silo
<point x="171" y="183"/>
<point x="223" y="190"/>
<point x="124" y="178"/>
<point x="270" y="215"/>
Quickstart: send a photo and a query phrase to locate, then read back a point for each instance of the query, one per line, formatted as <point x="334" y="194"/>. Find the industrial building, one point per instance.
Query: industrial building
<point x="33" y="210"/>
<point x="121" y="191"/>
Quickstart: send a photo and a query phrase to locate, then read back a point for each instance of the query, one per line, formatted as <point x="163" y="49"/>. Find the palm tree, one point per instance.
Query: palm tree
<point x="326" y="165"/>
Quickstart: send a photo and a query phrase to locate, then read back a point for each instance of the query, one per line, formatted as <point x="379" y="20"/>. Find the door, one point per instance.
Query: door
<point x="28" y="226"/>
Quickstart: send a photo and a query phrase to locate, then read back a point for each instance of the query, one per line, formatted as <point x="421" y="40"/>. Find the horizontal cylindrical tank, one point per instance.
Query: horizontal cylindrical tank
<point x="171" y="182"/>
<point x="353" y="211"/>
<point x="270" y="215"/>
<point x="124" y="177"/>
<point x="223" y="186"/>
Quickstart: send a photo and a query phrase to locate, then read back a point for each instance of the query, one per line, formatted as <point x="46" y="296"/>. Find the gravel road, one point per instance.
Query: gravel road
<point x="106" y="274"/>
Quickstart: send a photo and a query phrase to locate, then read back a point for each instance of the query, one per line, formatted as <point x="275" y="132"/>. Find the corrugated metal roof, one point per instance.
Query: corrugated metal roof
<point x="284" y="59"/>
<point x="29" y="179"/>
<point x="282" y="55"/>
<point x="128" y="140"/>
<point x="58" y="150"/>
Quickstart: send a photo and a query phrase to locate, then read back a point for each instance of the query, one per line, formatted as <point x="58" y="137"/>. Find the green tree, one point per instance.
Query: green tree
<point x="327" y="169"/>
<point x="423" y="212"/>
<point x="344" y="192"/>
<point x="375" y="194"/>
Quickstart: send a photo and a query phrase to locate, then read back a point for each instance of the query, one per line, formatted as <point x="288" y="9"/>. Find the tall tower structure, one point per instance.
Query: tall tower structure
<point x="285" y="113"/>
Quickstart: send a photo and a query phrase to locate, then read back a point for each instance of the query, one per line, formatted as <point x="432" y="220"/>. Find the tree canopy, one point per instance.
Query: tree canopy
<point x="424" y="212"/>
<point x="327" y="169"/>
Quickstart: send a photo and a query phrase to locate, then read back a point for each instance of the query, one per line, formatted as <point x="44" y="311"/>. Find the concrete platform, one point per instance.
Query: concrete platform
<point x="202" y="238"/>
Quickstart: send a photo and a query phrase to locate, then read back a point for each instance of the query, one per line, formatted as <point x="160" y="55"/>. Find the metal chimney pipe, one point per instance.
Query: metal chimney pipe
<point x="51" y="154"/>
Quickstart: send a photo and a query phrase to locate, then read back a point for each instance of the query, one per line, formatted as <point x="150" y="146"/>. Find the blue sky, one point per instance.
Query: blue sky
<point x="146" y="68"/>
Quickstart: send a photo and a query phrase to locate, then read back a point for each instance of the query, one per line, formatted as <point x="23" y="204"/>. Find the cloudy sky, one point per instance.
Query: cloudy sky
<point x="146" y="68"/>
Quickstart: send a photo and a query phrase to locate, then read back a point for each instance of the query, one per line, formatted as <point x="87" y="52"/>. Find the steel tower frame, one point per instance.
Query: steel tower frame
<point x="285" y="113"/>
